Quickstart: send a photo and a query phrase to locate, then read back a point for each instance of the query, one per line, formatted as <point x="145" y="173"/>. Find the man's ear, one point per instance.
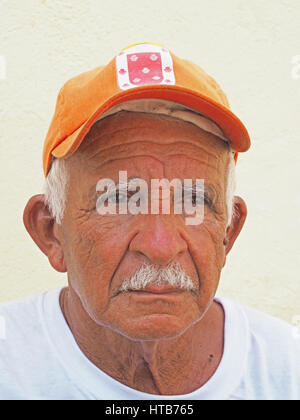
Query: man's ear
<point x="237" y="222"/>
<point x="42" y="227"/>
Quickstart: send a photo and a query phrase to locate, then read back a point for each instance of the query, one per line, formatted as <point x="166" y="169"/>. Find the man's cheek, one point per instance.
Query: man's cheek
<point x="210" y="243"/>
<point x="94" y="228"/>
<point x="92" y="268"/>
<point x="91" y="281"/>
<point x="95" y="243"/>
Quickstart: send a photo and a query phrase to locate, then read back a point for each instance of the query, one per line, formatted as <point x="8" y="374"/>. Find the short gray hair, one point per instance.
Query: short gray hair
<point x="55" y="189"/>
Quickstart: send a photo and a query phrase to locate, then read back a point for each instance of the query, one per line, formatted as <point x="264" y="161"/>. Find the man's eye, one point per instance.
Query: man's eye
<point x="118" y="197"/>
<point x="195" y="198"/>
<point x="199" y="198"/>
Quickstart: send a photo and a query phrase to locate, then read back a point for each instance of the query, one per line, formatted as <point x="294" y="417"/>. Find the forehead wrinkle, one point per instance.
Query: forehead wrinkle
<point x="112" y="149"/>
<point x="191" y="159"/>
<point x="112" y="130"/>
<point x="102" y="165"/>
<point x="91" y="137"/>
<point x="110" y="160"/>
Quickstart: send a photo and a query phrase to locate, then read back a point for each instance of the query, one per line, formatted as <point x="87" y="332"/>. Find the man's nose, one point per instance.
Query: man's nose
<point x="159" y="240"/>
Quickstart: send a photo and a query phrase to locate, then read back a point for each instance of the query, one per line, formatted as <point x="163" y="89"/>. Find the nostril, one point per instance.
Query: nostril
<point x="158" y="241"/>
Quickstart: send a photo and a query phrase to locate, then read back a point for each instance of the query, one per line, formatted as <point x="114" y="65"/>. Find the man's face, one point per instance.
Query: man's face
<point x="101" y="251"/>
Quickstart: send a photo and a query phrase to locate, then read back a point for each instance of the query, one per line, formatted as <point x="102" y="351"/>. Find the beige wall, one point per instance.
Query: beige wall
<point x="251" y="47"/>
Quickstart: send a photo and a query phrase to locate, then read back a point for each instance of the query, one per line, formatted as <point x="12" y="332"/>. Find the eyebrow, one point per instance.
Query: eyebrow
<point x="93" y="193"/>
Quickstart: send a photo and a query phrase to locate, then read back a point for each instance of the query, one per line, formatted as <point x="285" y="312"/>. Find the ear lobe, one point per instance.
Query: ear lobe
<point x="40" y="225"/>
<point x="237" y="223"/>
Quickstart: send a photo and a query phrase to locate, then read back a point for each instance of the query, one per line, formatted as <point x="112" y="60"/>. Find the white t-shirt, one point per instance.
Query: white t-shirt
<point x="40" y="360"/>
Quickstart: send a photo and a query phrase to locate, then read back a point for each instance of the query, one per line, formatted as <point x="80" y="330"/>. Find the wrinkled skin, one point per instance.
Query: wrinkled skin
<point x="162" y="344"/>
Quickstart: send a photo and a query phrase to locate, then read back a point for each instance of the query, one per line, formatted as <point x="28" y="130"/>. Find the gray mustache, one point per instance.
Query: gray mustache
<point x="172" y="275"/>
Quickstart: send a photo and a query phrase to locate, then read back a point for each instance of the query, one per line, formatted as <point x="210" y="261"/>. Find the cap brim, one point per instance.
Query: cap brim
<point x="231" y="126"/>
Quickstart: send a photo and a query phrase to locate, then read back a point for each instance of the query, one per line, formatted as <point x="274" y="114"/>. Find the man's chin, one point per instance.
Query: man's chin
<point x="155" y="327"/>
<point x="146" y="316"/>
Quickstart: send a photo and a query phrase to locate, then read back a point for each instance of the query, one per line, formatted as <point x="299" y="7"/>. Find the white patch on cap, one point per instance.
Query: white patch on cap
<point x="144" y="64"/>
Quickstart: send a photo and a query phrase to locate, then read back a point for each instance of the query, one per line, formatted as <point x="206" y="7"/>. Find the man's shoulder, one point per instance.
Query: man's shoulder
<point x="21" y="324"/>
<point x="273" y="355"/>
<point x="22" y="317"/>
<point x="27" y="306"/>
<point x="26" y="314"/>
<point x="269" y="328"/>
<point x="278" y="339"/>
<point x="259" y="323"/>
<point x="28" y="365"/>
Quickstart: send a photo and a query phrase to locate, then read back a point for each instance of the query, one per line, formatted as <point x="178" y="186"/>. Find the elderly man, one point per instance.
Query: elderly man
<point x="139" y="318"/>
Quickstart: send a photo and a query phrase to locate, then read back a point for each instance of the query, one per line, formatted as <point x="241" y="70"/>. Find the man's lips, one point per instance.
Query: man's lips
<point x="158" y="289"/>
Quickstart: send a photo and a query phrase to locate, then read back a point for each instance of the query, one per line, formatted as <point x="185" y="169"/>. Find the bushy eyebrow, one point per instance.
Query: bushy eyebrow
<point x="125" y="185"/>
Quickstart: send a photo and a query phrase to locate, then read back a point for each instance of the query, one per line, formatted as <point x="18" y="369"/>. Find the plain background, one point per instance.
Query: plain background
<point x="252" y="48"/>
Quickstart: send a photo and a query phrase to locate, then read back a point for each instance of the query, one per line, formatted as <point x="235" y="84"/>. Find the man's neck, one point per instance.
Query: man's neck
<point x="172" y="366"/>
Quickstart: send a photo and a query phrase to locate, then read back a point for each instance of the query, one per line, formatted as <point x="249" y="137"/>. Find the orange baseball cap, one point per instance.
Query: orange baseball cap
<point x="140" y="71"/>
